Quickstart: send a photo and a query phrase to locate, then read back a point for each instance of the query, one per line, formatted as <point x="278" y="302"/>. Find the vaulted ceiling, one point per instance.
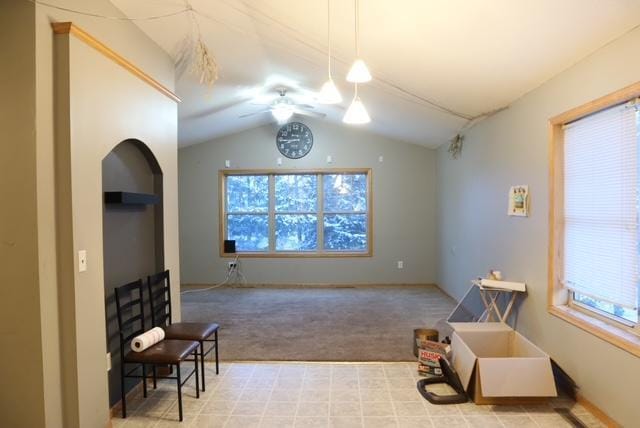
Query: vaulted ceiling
<point x="436" y="64"/>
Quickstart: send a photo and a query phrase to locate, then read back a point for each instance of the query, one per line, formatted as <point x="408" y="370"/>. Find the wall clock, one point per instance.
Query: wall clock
<point x="294" y="140"/>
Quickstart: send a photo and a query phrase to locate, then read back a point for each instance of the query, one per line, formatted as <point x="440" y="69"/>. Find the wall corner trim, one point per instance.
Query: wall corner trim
<point x="70" y="28"/>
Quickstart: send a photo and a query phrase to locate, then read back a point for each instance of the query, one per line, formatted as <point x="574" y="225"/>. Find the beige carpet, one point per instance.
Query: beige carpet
<point x="318" y="324"/>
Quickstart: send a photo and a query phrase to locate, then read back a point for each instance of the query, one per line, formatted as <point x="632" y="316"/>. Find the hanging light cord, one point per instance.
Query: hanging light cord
<point x="357" y="26"/>
<point x="329" y="34"/>
<point x="410" y="96"/>
<point x="115" y="18"/>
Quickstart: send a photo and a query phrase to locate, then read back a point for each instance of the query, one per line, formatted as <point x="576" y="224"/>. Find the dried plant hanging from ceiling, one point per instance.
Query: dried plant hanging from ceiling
<point x="193" y="55"/>
<point x="455" y="146"/>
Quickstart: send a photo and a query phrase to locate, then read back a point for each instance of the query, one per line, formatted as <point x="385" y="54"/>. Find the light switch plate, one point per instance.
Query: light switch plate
<point x="82" y="260"/>
<point x="108" y="361"/>
<point x="227" y="163"/>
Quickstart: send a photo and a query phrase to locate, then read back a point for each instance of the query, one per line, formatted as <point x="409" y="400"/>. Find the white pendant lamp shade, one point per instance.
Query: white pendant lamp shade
<point x="356" y="113"/>
<point x="359" y="73"/>
<point x="329" y="93"/>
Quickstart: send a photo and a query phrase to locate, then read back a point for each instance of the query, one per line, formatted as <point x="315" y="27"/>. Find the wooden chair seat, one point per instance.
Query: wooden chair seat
<point x="165" y="352"/>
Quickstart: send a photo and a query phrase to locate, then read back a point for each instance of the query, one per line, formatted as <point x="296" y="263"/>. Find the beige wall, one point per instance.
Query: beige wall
<point x="403" y="207"/>
<point x="21" y="348"/>
<point x="475" y="234"/>
<point x="56" y="201"/>
<point x="100" y="117"/>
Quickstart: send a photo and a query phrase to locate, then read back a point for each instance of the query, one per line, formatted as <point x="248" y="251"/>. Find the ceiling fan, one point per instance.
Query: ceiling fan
<point x="283" y="107"/>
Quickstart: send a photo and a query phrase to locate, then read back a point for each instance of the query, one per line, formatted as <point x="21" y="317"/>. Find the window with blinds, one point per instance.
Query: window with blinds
<point x="600" y="218"/>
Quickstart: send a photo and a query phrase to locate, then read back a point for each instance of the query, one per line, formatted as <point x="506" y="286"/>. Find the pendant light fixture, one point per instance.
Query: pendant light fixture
<point x="329" y="93"/>
<point x="359" y="73"/>
<point x="356" y="113"/>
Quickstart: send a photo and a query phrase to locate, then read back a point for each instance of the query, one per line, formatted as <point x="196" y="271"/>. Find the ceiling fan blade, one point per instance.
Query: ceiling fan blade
<point x="309" y="113"/>
<point x="305" y="106"/>
<point x="254" y="113"/>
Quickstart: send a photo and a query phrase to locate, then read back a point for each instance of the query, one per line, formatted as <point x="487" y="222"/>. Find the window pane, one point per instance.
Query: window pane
<point x="345" y="232"/>
<point x="296" y="193"/>
<point x="248" y="193"/>
<point x="297" y="232"/>
<point x="345" y="192"/>
<point x="610" y="308"/>
<point x="251" y="231"/>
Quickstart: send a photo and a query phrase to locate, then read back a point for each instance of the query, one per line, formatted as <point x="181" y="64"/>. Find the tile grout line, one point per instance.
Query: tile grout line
<point x="241" y="392"/>
<point x="298" y="401"/>
<point x="273" y="387"/>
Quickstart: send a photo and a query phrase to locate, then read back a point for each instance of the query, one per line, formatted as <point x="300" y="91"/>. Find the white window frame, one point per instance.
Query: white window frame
<point x="621" y="333"/>
<point x="272" y="252"/>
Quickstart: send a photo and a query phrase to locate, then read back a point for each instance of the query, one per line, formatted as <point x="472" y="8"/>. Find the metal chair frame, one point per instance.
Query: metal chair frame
<point x="161" y="316"/>
<point x="125" y="322"/>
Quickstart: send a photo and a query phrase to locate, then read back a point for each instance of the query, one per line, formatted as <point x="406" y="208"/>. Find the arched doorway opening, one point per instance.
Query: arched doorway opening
<point x="132" y="226"/>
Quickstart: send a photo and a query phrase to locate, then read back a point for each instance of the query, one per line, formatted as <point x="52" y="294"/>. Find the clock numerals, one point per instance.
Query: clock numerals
<point x="294" y="140"/>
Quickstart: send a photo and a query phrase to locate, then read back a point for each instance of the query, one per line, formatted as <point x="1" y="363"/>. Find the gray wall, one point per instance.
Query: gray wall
<point x="73" y="373"/>
<point x="130" y="243"/>
<point x="20" y="328"/>
<point x="475" y="234"/>
<point x="403" y="207"/>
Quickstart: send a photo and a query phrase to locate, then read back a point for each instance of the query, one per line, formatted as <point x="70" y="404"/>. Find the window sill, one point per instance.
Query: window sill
<point x="616" y="336"/>
<point x="296" y="255"/>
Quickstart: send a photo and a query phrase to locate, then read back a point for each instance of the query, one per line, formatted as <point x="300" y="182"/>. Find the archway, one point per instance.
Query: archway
<point x="133" y="242"/>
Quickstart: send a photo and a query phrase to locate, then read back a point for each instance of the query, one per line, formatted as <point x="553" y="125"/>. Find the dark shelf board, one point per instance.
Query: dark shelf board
<point x="130" y="198"/>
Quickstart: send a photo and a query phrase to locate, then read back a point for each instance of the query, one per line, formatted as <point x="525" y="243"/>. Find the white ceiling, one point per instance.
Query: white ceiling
<point x="470" y="56"/>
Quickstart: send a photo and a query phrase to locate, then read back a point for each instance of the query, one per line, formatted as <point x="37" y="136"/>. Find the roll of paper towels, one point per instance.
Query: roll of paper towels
<point x="147" y="339"/>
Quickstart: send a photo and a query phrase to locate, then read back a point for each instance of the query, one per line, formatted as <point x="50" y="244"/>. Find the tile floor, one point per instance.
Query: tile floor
<point x="280" y="395"/>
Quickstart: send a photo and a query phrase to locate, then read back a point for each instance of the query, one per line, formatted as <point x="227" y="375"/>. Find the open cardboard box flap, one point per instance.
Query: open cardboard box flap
<point x="502" y="362"/>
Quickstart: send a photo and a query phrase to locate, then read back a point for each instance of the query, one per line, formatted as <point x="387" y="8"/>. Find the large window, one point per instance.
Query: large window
<point x="595" y="245"/>
<point x="300" y="213"/>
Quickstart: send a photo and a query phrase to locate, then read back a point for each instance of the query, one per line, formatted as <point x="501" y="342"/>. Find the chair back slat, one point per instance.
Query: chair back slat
<point x="161" y="319"/>
<point x="159" y="288"/>
<point x="161" y="292"/>
<point x="130" y="336"/>
<point x="130" y="321"/>
<point x="129" y="304"/>
<point x="127" y="318"/>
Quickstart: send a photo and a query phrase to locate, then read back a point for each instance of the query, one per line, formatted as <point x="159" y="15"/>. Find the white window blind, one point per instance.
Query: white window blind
<point x="601" y="206"/>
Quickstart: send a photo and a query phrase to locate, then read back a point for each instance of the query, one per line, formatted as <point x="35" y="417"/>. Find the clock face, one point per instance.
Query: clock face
<point x="294" y="140"/>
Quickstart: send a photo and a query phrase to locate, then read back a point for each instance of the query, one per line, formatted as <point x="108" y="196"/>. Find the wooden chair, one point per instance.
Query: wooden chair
<point x="130" y="310"/>
<point x="160" y="298"/>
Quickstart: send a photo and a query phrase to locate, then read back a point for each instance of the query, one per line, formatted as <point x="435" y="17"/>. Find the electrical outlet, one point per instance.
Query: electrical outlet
<point x="108" y="361"/>
<point x="82" y="260"/>
<point x="400" y="264"/>
<point x="232" y="265"/>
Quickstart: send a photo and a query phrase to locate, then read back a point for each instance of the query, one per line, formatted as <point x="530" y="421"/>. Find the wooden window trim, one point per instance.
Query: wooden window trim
<point x="558" y="296"/>
<point x="222" y="222"/>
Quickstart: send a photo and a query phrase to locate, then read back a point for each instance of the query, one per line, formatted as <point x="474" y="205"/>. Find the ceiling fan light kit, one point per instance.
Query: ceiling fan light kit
<point x="282" y="112"/>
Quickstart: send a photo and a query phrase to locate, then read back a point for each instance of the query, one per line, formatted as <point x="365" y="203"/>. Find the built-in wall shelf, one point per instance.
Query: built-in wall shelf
<point x="130" y="198"/>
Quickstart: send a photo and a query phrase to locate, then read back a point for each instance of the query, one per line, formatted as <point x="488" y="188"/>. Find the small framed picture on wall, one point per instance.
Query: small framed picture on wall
<point x="519" y="201"/>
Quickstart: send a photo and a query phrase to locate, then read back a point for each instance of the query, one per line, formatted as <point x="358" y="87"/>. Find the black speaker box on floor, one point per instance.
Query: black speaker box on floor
<point x="229" y="246"/>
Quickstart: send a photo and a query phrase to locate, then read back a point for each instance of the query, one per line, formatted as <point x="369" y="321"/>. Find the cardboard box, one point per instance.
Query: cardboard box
<point x="498" y="365"/>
